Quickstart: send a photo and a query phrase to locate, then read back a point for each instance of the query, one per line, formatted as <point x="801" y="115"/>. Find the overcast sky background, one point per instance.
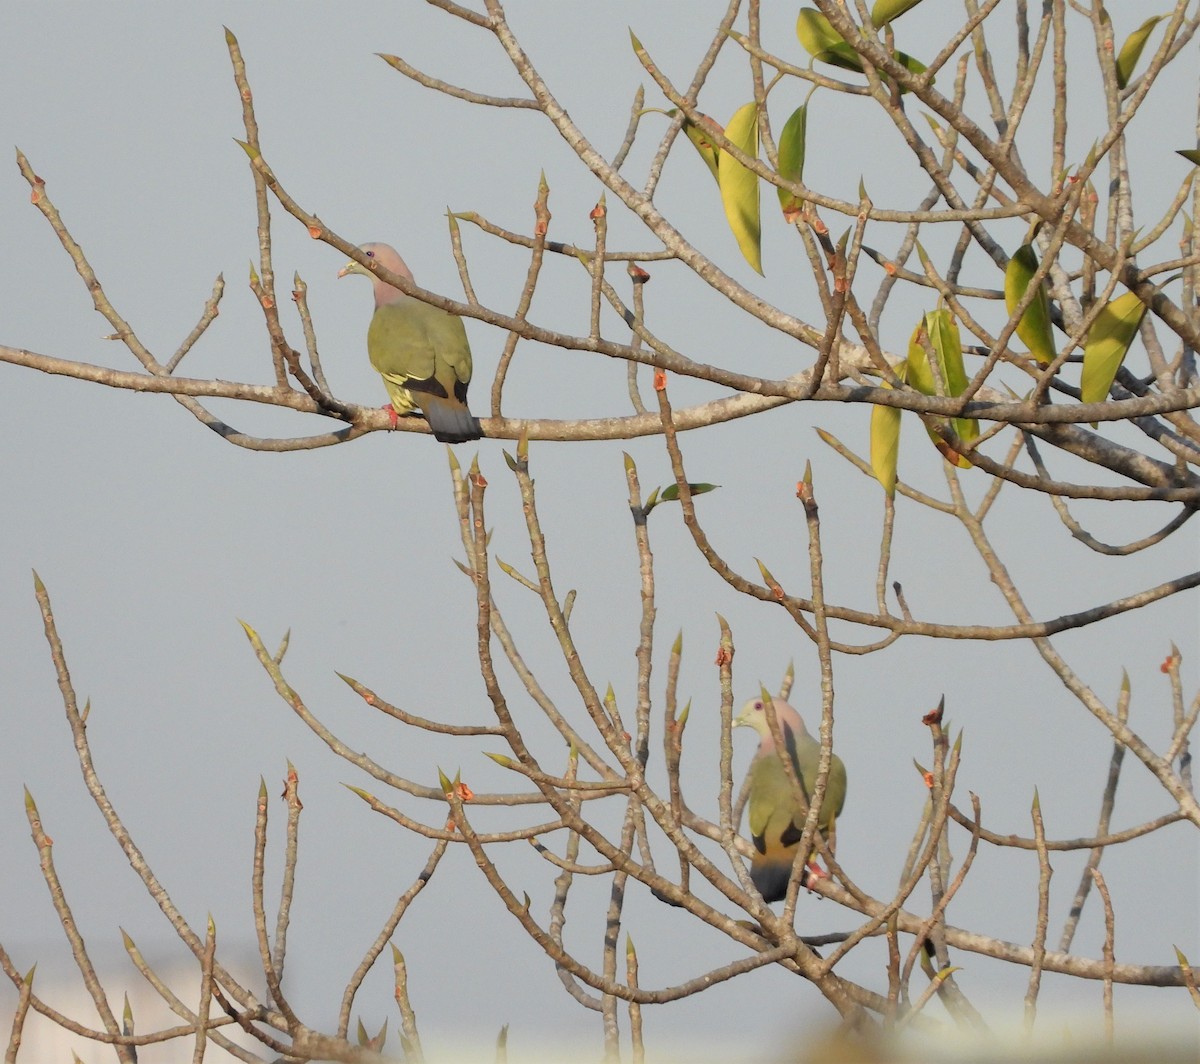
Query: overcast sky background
<point x="154" y="536"/>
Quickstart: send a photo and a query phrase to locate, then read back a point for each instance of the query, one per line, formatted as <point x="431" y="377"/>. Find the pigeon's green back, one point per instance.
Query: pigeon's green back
<point x="420" y="351"/>
<point x="412" y="341"/>
<point x="776" y="817"/>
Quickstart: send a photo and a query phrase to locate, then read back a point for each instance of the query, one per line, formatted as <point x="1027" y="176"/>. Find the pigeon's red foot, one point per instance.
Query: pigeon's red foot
<point x="815" y="871"/>
<point x="393" y="418"/>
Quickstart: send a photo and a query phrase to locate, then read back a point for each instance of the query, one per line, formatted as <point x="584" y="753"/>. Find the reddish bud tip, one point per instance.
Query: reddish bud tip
<point x="660" y="380"/>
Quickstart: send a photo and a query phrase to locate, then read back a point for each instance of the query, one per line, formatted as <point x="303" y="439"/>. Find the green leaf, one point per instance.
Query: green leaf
<point x="739" y="186"/>
<point x="885" y="440"/>
<point x="1131" y="50"/>
<point x="1034" y="326"/>
<point x="701" y="140"/>
<point x="671" y="492"/>
<point x="791" y="160"/>
<point x="886" y="11"/>
<point x="942" y="331"/>
<point x="826" y="45"/>
<point x="823" y="42"/>
<point x="1107" y="344"/>
<point x="1192" y="155"/>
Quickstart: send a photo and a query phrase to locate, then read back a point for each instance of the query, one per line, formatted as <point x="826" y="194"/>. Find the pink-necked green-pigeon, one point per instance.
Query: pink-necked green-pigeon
<point x="776" y="818"/>
<point x="421" y="351"/>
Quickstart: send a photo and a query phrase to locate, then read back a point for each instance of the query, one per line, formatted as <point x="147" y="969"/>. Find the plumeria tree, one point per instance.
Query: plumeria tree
<point x="1039" y="320"/>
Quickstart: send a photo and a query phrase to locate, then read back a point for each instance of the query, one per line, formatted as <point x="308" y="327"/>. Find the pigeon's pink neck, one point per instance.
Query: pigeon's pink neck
<point x="385" y="294"/>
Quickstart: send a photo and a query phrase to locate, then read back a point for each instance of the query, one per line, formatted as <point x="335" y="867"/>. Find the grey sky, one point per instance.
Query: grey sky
<point x="154" y="537"/>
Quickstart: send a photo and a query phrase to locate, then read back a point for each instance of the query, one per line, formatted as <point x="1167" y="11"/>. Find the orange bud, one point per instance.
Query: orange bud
<point x="724" y="656"/>
<point x="660" y="380"/>
<point x="315" y="232"/>
<point x="639" y="275"/>
<point x="928" y="778"/>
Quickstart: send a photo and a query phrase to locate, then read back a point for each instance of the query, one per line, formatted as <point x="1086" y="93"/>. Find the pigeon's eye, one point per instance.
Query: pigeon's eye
<point x="758" y="705"/>
<point x="370" y="254"/>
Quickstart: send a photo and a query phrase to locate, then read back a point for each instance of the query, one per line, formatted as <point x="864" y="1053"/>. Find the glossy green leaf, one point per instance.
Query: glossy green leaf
<point x="1034" y="326"/>
<point x="1192" y="155"/>
<point x="942" y="331"/>
<point x="885" y="440"/>
<point x="671" y="492"/>
<point x="739" y="186"/>
<point x="823" y="42"/>
<point x="791" y="160"/>
<point x="826" y="45"/>
<point x="886" y="11"/>
<point x="1131" y="50"/>
<point x="1107" y="344"/>
<point x="701" y="140"/>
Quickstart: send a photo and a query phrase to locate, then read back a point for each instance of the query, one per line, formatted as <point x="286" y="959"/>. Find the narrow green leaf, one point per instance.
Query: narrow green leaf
<point x="1192" y="155"/>
<point x="885" y="443"/>
<point x="947" y="343"/>
<point x="826" y="45"/>
<point x="1131" y="50"/>
<point x="699" y="135"/>
<point x="886" y="11"/>
<point x="791" y="160"/>
<point x="1034" y="326"/>
<point x="942" y="331"/>
<point x="739" y="187"/>
<point x="1107" y="344"/>
<point x="671" y="492"/>
<point x="823" y="42"/>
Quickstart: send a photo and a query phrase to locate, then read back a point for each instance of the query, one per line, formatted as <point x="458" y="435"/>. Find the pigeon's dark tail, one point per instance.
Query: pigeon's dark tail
<point x="450" y="421"/>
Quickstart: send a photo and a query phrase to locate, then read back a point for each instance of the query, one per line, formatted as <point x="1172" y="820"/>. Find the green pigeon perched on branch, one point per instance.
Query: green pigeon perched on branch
<point x="776" y="817"/>
<point x="421" y="351"/>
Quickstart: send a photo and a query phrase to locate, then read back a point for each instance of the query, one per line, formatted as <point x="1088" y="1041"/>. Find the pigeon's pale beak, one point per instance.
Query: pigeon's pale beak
<point x="349" y="268"/>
